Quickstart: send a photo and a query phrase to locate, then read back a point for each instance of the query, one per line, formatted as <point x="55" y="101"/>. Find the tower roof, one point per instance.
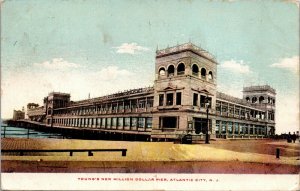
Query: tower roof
<point x="185" y="47"/>
<point x="259" y="89"/>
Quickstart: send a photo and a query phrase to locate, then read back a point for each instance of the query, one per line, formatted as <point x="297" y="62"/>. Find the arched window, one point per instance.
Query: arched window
<point x="49" y="111"/>
<point x="171" y="70"/>
<point x="247" y="99"/>
<point x="180" y="69"/>
<point x="210" y="75"/>
<point x="261" y="99"/>
<point x="269" y="100"/>
<point x="254" y="99"/>
<point x="203" y="73"/>
<point x="162" y="72"/>
<point x="195" y="70"/>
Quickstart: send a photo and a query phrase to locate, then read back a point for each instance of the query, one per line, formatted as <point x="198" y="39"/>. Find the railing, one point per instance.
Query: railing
<point x="180" y="73"/>
<point x="71" y="151"/>
<point x="195" y="73"/>
<point x="26" y="133"/>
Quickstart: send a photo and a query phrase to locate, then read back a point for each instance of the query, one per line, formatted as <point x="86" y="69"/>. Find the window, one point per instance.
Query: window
<point x="127" y="122"/>
<point x="162" y="72"/>
<point x="127" y="105"/>
<point x="210" y="75"/>
<point x="195" y="70"/>
<point x="236" y="128"/>
<point x="251" y="131"/>
<point x="98" y="122"/>
<point x="120" y="122"/>
<point x="161" y="99"/>
<point x="229" y="127"/>
<point x="195" y="99"/>
<point x="169" y="122"/>
<point x="217" y="127"/>
<point x="237" y="111"/>
<point x="180" y="69"/>
<point x="246" y="129"/>
<point x="133" y="122"/>
<point x="242" y="128"/>
<point x="223" y="127"/>
<point x="230" y="109"/>
<point x="103" y="122"/>
<point x="114" y="122"/>
<point x="203" y="73"/>
<point x="150" y="102"/>
<point x="171" y="70"/>
<point x="133" y="104"/>
<point x="149" y="122"/>
<point x="261" y="99"/>
<point x="254" y="99"/>
<point x="178" y="98"/>
<point x="142" y="103"/>
<point x="141" y="122"/>
<point x="202" y="100"/>
<point x="170" y="99"/>
<point x="108" y="122"/>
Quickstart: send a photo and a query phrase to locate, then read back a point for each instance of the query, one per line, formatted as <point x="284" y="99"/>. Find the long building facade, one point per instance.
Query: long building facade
<point x="183" y="100"/>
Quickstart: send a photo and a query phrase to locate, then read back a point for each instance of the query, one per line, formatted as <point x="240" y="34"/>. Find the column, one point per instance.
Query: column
<point x="233" y="112"/>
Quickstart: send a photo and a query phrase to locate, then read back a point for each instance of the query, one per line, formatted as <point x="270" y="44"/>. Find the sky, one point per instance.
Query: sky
<point x="101" y="47"/>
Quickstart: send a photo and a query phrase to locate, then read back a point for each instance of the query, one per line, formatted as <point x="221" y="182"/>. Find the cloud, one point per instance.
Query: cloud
<point x="57" y="64"/>
<point x="236" y="66"/>
<point x="130" y="48"/>
<point x="287" y="113"/>
<point x="34" y="85"/>
<point x="112" y="72"/>
<point x="232" y="90"/>
<point x="291" y="64"/>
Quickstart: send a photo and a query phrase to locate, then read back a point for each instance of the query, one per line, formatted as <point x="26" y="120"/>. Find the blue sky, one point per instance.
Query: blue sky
<point x="100" y="47"/>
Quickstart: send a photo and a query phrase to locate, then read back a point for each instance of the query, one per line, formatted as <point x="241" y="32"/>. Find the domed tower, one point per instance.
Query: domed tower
<point x="185" y="83"/>
<point x="264" y="98"/>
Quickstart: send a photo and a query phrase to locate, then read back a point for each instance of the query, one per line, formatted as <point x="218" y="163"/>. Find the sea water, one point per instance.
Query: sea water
<point x="19" y="132"/>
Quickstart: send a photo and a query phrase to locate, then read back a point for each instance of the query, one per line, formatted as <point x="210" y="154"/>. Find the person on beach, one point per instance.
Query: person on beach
<point x="294" y="137"/>
<point x="289" y="138"/>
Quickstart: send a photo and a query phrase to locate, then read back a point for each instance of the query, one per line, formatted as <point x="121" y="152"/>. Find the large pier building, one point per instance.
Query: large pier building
<point x="183" y="100"/>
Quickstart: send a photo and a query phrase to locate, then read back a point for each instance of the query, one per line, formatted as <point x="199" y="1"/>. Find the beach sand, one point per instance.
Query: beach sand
<point x="221" y="156"/>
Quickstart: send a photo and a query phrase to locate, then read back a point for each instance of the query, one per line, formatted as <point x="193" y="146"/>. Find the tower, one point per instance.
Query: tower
<point x="263" y="97"/>
<point x="185" y="80"/>
<point x="53" y="101"/>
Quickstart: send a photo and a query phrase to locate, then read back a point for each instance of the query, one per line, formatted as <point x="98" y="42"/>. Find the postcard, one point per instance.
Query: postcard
<point x="150" y="95"/>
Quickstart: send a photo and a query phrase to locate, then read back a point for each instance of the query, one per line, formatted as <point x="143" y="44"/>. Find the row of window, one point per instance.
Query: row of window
<point x="203" y="100"/>
<point x="241" y="111"/>
<point x="239" y="128"/>
<point x="130" y="104"/>
<point x="181" y="71"/>
<point x="169" y="99"/>
<point x="139" y="122"/>
<point x="261" y="99"/>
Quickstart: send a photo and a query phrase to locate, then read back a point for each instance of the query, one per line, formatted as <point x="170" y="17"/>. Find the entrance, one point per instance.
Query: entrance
<point x="200" y="125"/>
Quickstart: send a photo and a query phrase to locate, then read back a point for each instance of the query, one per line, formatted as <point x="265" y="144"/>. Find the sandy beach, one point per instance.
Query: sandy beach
<point x="221" y="156"/>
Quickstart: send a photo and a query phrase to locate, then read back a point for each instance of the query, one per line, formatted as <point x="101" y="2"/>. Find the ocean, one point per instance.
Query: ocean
<point x="19" y="132"/>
